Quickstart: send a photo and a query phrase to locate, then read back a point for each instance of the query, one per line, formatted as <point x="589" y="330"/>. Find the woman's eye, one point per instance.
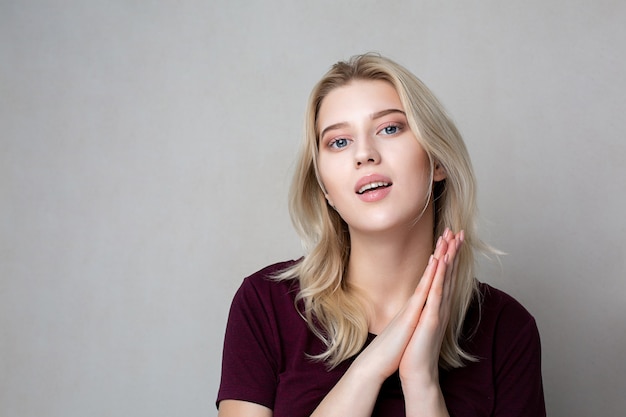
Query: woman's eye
<point x="390" y="130"/>
<point x="338" y="143"/>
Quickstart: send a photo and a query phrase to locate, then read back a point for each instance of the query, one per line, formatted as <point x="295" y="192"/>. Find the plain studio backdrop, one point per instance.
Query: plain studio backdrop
<point x="146" y="148"/>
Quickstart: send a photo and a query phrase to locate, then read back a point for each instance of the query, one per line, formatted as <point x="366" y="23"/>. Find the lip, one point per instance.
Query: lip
<point x="368" y="179"/>
<point x="375" y="195"/>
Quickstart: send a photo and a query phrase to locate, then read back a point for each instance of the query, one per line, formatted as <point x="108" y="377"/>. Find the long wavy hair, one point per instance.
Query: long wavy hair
<point x="332" y="309"/>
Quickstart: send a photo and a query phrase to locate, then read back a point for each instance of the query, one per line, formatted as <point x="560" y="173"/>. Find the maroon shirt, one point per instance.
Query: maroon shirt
<point x="266" y="342"/>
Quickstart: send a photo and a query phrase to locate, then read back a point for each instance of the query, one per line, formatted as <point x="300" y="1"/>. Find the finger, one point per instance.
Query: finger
<point x="449" y="236"/>
<point x="435" y="292"/>
<point x="457" y="258"/>
<point x="442" y="289"/>
<point x="445" y="244"/>
<point x="454" y="245"/>
<point x="441" y="247"/>
<point x="451" y="277"/>
<point x="425" y="283"/>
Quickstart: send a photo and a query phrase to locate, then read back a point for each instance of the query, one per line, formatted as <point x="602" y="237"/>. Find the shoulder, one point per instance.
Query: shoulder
<point x="496" y="320"/>
<point x="263" y="294"/>
<point x="505" y="322"/>
<point x="505" y="379"/>
<point x="265" y="282"/>
<point x="261" y="308"/>
<point x="511" y="347"/>
<point x="254" y="341"/>
<point x="497" y="305"/>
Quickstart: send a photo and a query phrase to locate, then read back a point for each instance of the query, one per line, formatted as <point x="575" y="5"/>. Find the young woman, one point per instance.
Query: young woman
<point x="383" y="315"/>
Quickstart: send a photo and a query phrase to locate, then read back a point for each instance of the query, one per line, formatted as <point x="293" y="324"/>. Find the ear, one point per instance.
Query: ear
<point x="329" y="200"/>
<point x="439" y="173"/>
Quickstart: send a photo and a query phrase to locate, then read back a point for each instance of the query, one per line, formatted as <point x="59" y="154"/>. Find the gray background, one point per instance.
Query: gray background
<point x="146" y="148"/>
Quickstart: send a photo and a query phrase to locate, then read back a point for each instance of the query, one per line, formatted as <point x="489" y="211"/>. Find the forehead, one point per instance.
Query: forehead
<point x="357" y="99"/>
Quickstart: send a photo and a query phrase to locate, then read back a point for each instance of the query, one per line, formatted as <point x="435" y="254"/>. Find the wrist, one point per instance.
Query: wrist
<point x="424" y="399"/>
<point x="366" y="369"/>
<point x="422" y="379"/>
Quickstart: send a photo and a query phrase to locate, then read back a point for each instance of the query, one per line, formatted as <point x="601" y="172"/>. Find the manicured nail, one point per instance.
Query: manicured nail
<point x="430" y="260"/>
<point x="446" y="258"/>
<point x="462" y="235"/>
<point x="439" y="241"/>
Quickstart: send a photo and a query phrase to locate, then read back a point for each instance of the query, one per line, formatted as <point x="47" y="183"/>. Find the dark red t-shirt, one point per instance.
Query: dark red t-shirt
<point x="266" y="343"/>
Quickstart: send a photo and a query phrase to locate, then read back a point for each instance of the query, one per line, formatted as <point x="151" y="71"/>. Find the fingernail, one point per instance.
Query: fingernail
<point x="430" y="260"/>
<point x="462" y="235"/>
<point x="439" y="241"/>
<point x="446" y="258"/>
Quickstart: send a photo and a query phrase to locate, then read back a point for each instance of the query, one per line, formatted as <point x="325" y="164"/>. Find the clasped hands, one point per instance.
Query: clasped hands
<point x="412" y="341"/>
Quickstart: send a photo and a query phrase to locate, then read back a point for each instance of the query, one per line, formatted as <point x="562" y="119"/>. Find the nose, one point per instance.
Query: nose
<point x="366" y="152"/>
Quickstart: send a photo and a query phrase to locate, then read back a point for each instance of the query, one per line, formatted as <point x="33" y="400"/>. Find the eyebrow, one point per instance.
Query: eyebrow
<point x="373" y="116"/>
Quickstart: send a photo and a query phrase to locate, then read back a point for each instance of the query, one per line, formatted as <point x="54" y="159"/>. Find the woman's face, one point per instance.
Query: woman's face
<point x="375" y="172"/>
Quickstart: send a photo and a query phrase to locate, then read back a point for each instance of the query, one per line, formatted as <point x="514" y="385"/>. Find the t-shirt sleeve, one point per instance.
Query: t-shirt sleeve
<point x="517" y="365"/>
<point x="250" y="355"/>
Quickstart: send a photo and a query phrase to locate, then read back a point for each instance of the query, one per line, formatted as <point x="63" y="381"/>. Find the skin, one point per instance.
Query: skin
<point x="364" y="132"/>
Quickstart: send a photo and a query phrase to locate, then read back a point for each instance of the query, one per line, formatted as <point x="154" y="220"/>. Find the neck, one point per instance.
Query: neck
<point x="387" y="267"/>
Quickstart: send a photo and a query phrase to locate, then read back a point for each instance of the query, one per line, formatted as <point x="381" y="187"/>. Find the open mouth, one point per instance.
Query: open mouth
<point x="373" y="186"/>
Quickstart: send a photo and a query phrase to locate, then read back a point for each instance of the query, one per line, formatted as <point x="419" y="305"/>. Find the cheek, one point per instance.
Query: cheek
<point x="329" y="174"/>
<point x="419" y="168"/>
<point x="333" y="185"/>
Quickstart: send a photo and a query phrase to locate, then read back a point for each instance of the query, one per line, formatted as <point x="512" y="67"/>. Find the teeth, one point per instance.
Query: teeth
<point x="372" y="185"/>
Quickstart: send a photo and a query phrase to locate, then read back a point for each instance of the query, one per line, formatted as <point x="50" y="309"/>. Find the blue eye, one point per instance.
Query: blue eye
<point x="338" y="143"/>
<point x="390" y="130"/>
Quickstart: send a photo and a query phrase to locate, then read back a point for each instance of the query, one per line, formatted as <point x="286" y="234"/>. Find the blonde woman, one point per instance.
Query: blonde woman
<point x="383" y="315"/>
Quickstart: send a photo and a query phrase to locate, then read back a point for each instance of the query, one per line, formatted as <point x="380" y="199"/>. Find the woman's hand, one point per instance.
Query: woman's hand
<point x="411" y="342"/>
<point x="419" y="366"/>
<point x="383" y="356"/>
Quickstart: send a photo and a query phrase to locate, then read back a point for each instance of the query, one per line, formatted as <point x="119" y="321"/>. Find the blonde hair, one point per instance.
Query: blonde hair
<point x="334" y="312"/>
